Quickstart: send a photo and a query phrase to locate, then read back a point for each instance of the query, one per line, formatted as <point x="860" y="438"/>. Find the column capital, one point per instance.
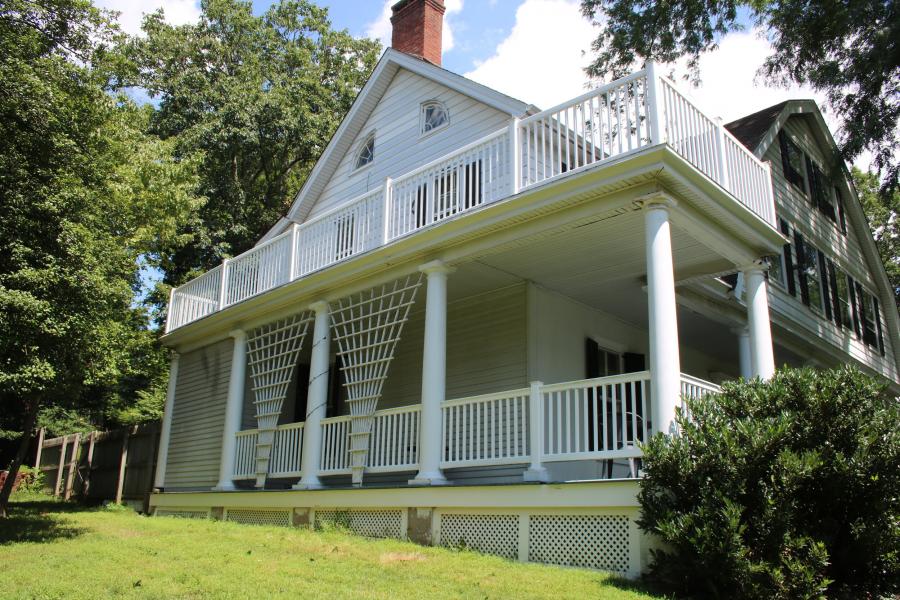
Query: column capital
<point x="437" y="267"/>
<point x="656" y="200"/>
<point x="319" y="306"/>
<point x="237" y="334"/>
<point x="759" y="265"/>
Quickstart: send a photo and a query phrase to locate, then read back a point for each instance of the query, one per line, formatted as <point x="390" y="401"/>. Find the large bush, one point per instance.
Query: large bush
<point x="784" y="489"/>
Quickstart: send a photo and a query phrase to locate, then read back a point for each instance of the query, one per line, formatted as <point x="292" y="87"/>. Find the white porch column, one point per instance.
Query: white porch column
<point x="743" y="335"/>
<point x="434" y="375"/>
<point x="234" y="407"/>
<point x="165" y="431"/>
<point x="665" y="363"/>
<point x="762" y="358"/>
<point x="317" y="399"/>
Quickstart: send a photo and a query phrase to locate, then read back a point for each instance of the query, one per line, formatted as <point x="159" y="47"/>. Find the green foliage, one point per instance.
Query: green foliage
<point x="785" y="489"/>
<point x="848" y="50"/>
<point x="255" y="99"/>
<point x="33" y="482"/>
<point x="882" y="210"/>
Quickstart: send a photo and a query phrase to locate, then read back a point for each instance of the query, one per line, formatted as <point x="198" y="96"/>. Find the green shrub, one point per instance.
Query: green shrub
<point x="785" y="489"/>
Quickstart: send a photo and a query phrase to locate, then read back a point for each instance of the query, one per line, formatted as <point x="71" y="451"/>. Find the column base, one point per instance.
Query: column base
<point x="224" y="486"/>
<point x="436" y="478"/>
<point x="540" y="475"/>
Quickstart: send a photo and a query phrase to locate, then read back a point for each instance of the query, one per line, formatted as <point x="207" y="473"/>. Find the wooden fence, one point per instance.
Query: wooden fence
<point x="114" y="465"/>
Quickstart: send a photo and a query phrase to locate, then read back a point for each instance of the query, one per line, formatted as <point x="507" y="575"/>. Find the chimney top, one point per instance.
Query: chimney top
<point x="417" y="26"/>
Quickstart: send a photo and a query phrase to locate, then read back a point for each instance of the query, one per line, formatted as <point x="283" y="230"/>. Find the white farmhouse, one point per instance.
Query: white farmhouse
<point x="475" y="310"/>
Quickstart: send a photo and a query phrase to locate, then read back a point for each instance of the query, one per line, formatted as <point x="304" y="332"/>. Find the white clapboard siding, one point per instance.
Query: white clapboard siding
<point x="198" y="417"/>
<point x="794" y="206"/>
<point x="399" y="148"/>
<point x="486" y="348"/>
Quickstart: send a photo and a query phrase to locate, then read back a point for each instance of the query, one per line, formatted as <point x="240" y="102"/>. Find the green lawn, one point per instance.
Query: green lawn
<point x="55" y="550"/>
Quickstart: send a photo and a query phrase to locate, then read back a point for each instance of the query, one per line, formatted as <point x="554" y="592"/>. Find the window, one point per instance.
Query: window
<point x="844" y="307"/>
<point x="820" y="191"/>
<point x="434" y="116"/>
<point x="871" y="322"/>
<point x="791" y="161"/>
<point x="842" y="217"/>
<point x="786" y="260"/>
<point x="810" y="274"/>
<point x="366" y="153"/>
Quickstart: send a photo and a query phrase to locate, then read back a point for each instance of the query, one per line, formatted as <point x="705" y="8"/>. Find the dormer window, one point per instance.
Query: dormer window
<point x="434" y="116"/>
<point x="366" y="153"/>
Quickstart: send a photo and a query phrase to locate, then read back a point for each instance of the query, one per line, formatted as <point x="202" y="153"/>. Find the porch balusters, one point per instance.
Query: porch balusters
<point x="317" y="398"/>
<point x="233" y="410"/>
<point x="665" y="363"/>
<point x="434" y="375"/>
<point x="762" y="360"/>
<point x="165" y="432"/>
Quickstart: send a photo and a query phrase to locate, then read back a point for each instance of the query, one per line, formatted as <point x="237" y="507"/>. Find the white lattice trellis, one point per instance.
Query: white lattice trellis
<point x="367" y="327"/>
<point x="368" y="523"/>
<point x="594" y="541"/>
<point x="489" y="533"/>
<point x="183" y="513"/>
<point x="259" y="516"/>
<point x="272" y="351"/>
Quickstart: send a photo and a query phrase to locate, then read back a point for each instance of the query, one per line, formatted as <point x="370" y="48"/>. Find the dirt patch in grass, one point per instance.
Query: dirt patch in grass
<point x="400" y="557"/>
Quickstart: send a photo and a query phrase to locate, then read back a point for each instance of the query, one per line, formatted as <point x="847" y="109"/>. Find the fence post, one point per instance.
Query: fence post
<point x="223" y="284"/>
<point x="59" y="468"/>
<point x="90" y="463"/>
<point x="515" y="157"/>
<point x="654" y="114"/>
<point x="721" y="163"/>
<point x="73" y="464"/>
<point x="40" y="447"/>
<point x="388" y="190"/>
<point x="293" y="258"/>
<point x="120" y="485"/>
<point x="536" y="471"/>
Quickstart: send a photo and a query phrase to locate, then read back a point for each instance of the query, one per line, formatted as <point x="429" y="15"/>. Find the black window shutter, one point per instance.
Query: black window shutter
<point x="801" y="262"/>
<point x="861" y="311"/>
<point x="840" y="207"/>
<point x="823" y="275"/>
<point x="851" y="288"/>
<point x="592" y="358"/>
<point x="878" y="326"/>
<point x="788" y="260"/>
<point x="835" y="298"/>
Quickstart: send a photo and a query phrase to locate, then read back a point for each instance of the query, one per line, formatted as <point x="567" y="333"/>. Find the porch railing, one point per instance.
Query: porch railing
<point x="592" y="419"/>
<point x="623" y="117"/>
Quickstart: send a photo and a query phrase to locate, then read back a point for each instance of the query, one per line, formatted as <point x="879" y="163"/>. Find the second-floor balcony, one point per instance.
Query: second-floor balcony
<point x="622" y="118"/>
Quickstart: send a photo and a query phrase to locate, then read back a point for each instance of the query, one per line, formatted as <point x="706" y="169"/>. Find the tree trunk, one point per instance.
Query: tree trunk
<point x="27" y="434"/>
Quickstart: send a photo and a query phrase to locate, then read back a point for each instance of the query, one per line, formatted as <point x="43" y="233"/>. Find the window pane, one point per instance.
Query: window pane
<point x="366" y="153"/>
<point x="435" y="116"/>
<point x="810" y="268"/>
<point x="844" y="298"/>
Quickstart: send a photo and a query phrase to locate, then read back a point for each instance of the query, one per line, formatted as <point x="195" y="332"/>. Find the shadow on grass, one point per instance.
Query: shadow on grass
<point x="641" y="586"/>
<point x="38" y="521"/>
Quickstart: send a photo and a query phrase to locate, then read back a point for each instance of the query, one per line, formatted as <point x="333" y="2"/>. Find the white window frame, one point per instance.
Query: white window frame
<point x="422" y="123"/>
<point x="356" y="167"/>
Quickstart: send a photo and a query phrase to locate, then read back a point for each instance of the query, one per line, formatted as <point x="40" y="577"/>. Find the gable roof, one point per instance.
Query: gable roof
<point x="759" y="130"/>
<point x="366" y="101"/>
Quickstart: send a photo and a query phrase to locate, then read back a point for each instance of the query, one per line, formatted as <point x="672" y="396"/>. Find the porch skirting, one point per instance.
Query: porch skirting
<point x="589" y="524"/>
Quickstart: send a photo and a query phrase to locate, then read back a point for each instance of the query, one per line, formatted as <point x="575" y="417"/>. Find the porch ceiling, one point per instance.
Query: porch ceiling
<point x="601" y="264"/>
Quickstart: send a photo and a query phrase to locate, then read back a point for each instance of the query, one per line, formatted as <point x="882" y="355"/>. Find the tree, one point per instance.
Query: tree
<point x="258" y="97"/>
<point x="780" y="489"/>
<point x="848" y="50"/>
<point x="882" y="210"/>
<point x="83" y="194"/>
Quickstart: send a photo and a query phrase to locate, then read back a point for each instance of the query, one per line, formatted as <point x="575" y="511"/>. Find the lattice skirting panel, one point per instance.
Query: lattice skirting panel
<point x="492" y="534"/>
<point x="369" y="523"/>
<point x="597" y="541"/>
<point x="183" y="513"/>
<point x="258" y="516"/>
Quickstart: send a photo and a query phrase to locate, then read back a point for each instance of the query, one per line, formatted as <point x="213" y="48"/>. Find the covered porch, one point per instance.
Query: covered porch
<point x="486" y="378"/>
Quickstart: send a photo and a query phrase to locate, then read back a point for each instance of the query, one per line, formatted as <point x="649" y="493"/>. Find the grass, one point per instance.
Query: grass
<point x="51" y="549"/>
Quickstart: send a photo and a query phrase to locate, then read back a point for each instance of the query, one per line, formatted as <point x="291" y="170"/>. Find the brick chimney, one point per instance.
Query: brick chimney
<point x="417" y="28"/>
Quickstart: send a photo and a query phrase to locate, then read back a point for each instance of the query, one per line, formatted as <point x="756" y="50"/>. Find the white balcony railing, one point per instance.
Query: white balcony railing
<point x="612" y="121"/>
<point x="594" y="419"/>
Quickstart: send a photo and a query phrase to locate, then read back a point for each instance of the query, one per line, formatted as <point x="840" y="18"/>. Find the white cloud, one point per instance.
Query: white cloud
<point x="542" y="60"/>
<point x="178" y="12"/>
<point x="380" y="28"/>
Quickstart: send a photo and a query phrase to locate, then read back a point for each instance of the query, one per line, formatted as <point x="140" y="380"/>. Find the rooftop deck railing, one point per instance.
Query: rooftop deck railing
<point x="612" y="121"/>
